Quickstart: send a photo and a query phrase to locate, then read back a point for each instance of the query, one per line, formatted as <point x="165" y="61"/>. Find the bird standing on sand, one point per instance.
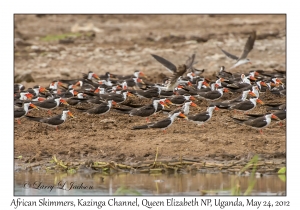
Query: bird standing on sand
<point x="53" y="121"/>
<point x="22" y="111"/>
<point x="163" y="124"/>
<point x="259" y="122"/>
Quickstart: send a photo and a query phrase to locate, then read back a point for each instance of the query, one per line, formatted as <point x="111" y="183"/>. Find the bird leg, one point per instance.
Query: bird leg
<point x="261" y="131"/>
<point x="49" y="112"/>
<point x="19" y="122"/>
<point x="56" y="128"/>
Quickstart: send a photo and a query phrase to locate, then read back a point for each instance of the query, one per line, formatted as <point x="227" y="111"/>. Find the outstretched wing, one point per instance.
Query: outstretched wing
<point x="190" y="61"/>
<point x="176" y="76"/>
<point x="228" y="54"/>
<point x="170" y="66"/>
<point x="249" y="45"/>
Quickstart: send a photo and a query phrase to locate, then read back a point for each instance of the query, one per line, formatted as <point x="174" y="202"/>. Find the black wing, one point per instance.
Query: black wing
<point x="201" y="117"/>
<point x="190" y="61"/>
<point x="143" y="111"/>
<point x="249" y="45"/>
<point x="257" y="122"/>
<point x="229" y="55"/>
<point x="170" y="66"/>
<point x="161" y="124"/>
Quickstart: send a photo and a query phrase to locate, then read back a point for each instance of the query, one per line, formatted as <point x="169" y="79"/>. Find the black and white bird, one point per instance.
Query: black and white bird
<point x="228" y="103"/>
<point x="163" y="124"/>
<point x="203" y="117"/>
<point x="259" y="122"/>
<point x="80" y="98"/>
<point x="246" y="105"/>
<point x="243" y="58"/>
<point x="50" y="104"/>
<point x="53" y="121"/>
<point x="101" y="109"/>
<point x="144" y="111"/>
<point x="22" y="111"/>
<point x="214" y="94"/>
<point x="186" y="107"/>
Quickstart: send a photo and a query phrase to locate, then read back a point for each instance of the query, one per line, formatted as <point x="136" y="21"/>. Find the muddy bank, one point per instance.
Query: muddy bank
<point x="121" y="44"/>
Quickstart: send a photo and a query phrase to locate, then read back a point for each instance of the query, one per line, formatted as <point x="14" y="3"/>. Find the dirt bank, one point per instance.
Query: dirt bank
<point x="122" y="43"/>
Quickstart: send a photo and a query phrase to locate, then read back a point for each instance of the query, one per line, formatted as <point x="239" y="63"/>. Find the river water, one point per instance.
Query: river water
<point x="41" y="183"/>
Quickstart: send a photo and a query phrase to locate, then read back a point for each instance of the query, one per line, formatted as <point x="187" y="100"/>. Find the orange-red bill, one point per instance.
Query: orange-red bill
<point x="42" y="89"/>
<point x="141" y="74"/>
<point x="194" y="105"/>
<point x="274" y="117"/>
<point x="63" y="101"/>
<point x="279" y="81"/>
<point x="41" y="99"/>
<point x="168" y="102"/>
<point x="262" y="83"/>
<point x="182" y="115"/>
<point x="33" y="106"/>
<point x="164" y="104"/>
<point x="96" y="76"/>
<point x="29" y="95"/>
<point x="129" y="94"/>
<point x="251" y="93"/>
<point x="260" y="101"/>
<point x="205" y="83"/>
<point x="70" y="114"/>
<point x="226" y="90"/>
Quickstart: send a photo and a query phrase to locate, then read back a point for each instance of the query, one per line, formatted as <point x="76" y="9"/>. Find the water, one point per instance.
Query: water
<point x="40" y="183"/>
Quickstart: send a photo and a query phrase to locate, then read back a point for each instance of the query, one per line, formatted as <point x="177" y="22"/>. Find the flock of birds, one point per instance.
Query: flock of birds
<point x="110" y="92"/>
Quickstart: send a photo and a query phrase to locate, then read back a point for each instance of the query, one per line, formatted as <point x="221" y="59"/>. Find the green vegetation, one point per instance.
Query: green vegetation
<point x="126" y="191"/>
<point x="282" y="170"/>
<point x="282" y="174"/>
<point x="59" y="165"/>
<point x="235" y="189"/>
<point x="57" y="37"/>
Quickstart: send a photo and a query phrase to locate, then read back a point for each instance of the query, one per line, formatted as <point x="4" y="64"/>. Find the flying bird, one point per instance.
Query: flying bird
<point x="243" y="58"/>
<point x="177" y="71"/>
